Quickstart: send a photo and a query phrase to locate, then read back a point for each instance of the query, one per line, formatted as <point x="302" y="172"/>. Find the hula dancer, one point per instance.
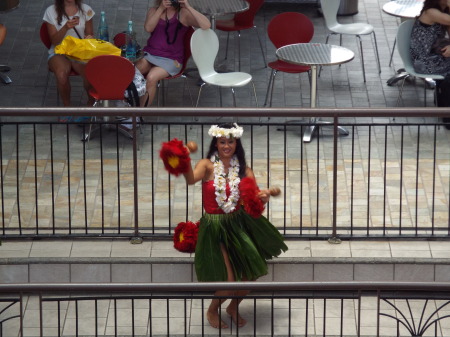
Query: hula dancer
<point x="234" y="239"/>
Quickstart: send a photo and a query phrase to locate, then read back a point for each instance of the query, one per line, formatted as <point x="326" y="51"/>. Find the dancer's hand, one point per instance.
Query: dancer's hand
<point x="264" y="195"/>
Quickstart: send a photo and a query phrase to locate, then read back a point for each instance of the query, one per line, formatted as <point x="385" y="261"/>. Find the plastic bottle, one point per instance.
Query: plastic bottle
<point x="103" y="33"/>
<point x="130" y="51"/>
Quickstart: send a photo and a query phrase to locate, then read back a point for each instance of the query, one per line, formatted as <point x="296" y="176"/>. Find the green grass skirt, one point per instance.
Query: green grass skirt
<point x="248" y="241"/>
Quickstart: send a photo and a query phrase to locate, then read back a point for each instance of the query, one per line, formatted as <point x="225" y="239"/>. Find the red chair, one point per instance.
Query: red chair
<point x="45" y="38"/>
<point x="109" y="76"/>
<point x="288" y="28"/>
<point x="242" y="21"/>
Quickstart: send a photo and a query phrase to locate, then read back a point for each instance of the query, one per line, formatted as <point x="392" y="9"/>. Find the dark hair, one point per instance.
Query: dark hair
<point x="60" y="11"/>
<point x="240" y="153"/>
<point x="433" y="4"/>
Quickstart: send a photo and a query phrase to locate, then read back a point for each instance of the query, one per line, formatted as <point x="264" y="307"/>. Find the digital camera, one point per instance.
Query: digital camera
<point x="175" y="4"/>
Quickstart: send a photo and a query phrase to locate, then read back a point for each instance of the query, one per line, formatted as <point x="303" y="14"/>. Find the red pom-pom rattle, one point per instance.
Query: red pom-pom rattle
<point x="175" y="157"/>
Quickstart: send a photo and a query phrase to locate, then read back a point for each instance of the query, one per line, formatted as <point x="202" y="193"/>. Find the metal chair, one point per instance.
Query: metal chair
<point x="45" y="38"/>
<point x="288" y="28"/>
<point x="242" y="21"/>
<point x="204" y="46"/>
<point x="403" y="44"/>
<point x="109" y="75"/>
<point x="330" y="9"/>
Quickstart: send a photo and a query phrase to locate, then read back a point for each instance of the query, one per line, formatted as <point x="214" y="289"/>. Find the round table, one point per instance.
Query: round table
<point x="314" y="55"/>
<point x="406" y="9"/>
<point x="214" y="8"/>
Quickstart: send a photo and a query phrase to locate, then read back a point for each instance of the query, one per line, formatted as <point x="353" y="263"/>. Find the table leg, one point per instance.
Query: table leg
<point x="316" y="122"/>
<point x="307" y="135"/>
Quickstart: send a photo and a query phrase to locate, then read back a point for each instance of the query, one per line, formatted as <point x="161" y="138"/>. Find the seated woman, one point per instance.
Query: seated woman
<point x="63" y="18"/>
<point x="432" y="24"/>
<point x="164" y="52"/>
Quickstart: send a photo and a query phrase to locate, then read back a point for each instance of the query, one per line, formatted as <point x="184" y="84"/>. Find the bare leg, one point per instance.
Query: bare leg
<point x="61" y="67"/>
<point x="152" y="75"/>
<point x="213" y="311"/>
<point x="79" y="68"/>
<point x="233" y="311"/>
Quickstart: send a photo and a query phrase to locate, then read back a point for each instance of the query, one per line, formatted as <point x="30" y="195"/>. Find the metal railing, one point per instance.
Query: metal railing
<point x="387" y="178"/>
<point x="271" y="309"/>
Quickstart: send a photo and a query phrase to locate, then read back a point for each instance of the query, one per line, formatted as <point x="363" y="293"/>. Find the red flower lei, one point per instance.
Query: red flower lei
<point x="249" y="197"/>
<point x="185" y="237"/>
<point x="175" y="157"/>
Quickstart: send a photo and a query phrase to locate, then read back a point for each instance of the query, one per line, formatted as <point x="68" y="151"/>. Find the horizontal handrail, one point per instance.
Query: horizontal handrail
<point x="228" y="112"/>
<point x="213" y="286"/>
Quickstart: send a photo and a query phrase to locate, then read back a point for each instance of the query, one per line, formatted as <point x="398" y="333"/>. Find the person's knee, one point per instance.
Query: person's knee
<point x="62" y="76"/>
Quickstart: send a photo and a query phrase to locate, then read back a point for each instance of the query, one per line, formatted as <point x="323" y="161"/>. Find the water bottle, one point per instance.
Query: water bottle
<point x="130" y="51"/>
<point x="103" y="33"/>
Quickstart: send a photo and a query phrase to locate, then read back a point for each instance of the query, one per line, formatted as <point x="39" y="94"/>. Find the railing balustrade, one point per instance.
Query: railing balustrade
<point x="387" y="178"/>
<point x="272" y="309"/>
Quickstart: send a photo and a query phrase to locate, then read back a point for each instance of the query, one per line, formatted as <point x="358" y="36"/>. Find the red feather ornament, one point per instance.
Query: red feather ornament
<point x="185" y="237"/>
<point x="249" y="197"/>
<point x="175" y="157"/>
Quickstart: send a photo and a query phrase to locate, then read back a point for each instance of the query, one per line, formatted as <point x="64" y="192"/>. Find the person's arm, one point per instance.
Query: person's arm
<point x="434" y="15"/>
<point x="89" y="29"/>
<point x="264" y="195"/>
<point x="192" y="17"/>
<point x="2" y="33"/>
<point x="198" y="173"/>
<point x="56" y="36"/>
<point x="153" y="16"/>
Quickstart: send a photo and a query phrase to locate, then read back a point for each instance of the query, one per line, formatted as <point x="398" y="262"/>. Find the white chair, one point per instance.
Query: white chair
<point x="204" y="47"/>
<point x="330" y="9"/>
<point x="403" y="44"/>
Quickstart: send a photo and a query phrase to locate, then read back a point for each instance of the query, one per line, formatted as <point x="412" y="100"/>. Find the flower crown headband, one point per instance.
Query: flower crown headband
<point x="235" y="132"/>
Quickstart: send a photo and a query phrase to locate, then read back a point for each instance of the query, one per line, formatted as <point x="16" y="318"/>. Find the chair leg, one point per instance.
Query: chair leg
<point x="226" y="48"/>
<point x="239" y="49"/>
<point x="376" y="52"/>
<point x="400" y="93"/>
<point x="270" y="87"/>
<point x="254" y="92"/>
<point x="392" y="52"/>
<point x="199" y="93"/>
<point x="326" y="41"/>
<point x="5" y="78"/>
<point x="234" y="97"/>
<point x="189" y="88"/>
<point x="361" y="53"/>
<point x="261" y="46"/>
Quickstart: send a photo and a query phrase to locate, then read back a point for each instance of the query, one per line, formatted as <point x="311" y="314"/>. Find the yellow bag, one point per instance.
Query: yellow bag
<point x="85" y="49"/>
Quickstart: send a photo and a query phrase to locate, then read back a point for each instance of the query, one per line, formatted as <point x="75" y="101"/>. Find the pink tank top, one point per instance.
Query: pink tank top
<point x="167" y="39"/>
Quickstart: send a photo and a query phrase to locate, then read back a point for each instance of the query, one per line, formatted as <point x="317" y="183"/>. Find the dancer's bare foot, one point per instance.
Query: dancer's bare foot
<point x="237" y="319"/>
<point x="214" y="320"/>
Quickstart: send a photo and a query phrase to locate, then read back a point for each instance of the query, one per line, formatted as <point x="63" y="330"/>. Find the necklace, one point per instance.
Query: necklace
<point x="228" y="205"/>
<point x="177" y="28"/>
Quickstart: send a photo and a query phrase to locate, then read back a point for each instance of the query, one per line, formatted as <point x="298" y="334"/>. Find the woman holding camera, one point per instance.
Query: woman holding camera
<point x="167" y="23"/>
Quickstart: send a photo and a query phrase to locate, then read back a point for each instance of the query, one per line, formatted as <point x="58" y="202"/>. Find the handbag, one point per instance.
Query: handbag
<point x="440" y="43"/>
<point x="85" y="49"/>
<point x="136" y="89"/>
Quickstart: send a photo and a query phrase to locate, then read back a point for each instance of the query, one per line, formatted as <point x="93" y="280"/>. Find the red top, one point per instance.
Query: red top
<point x="209" y="198"/>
